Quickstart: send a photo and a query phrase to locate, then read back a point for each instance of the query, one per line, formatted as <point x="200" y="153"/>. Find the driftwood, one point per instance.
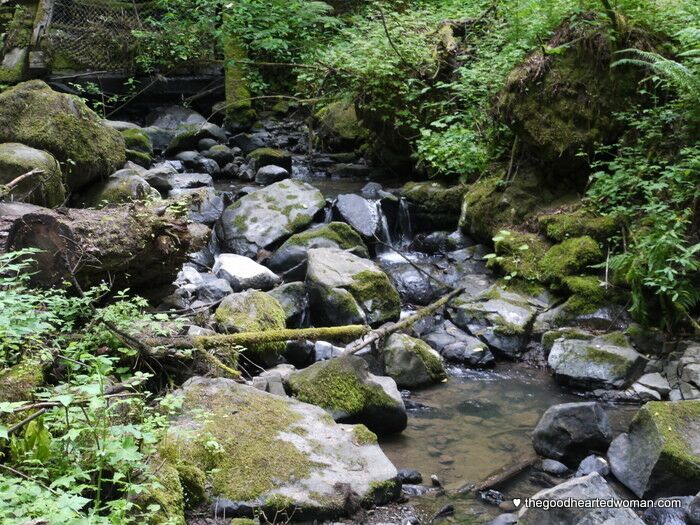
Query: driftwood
<point x="503" y="474"/>
<point x="131" y="246"/>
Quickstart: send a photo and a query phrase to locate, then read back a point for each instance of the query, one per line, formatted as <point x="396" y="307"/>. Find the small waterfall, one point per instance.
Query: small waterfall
<point x="383" y="231"/>
<point x="328" y="211"/>
<point x="404" y="226"/>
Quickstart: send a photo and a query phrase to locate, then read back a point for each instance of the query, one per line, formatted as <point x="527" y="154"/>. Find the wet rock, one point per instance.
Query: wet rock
<point x="295" y="301"/>
<point x="249" y="142"/>
<point x="361" y="214"/>
<point x="582" y="360"/>
<point x="192" y="160"/>
<point x="159" y="177"/>
<point x="413" y="491"/>
<point x="270" y="157"/>
<point x="220" y="154"/>
<point x="300" y="353"/>
<point x="205" y="205"/>
<point x="188" y="136"/>
<point x="343" y="170"/>
<point x="409" y="476"/>
<point x="569" y="431"/>
<point x="597" y="318"/>
<point x="457" y="346"/>
<point x="323" y="351"/>
<point x="160" y="137"/>
<point x="505" y="519"/>
<point x="436" y="207"/>
<point x="302" y="460"/>
<point x="45" y="188"/>
<point x="173" y="117"/>
<point x="186" y="181"/>
<point x="593" y="463"/>
<point x="554" y="467"/>
<point x="267" y="216"/>
<point x="589" y="487"/>
<point x="492" y="497"/>
<point x="499" y="317"/>
<point x="120" y="187"/>
<point x="244" y="273"/>
<point x="693" y="513"/>
<point x="347" y="289"/>
<point x="270" y="174"/>
<point x="660" y="455"/>
<point x="290" y="258"/>
<point x="345" y="388"/>
<point x="205" y="144"/>
<point x="411" y="362"/>
<point x="663" y="515"/>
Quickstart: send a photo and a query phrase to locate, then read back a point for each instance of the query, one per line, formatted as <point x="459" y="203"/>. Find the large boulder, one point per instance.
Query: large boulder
<point x="295" y="301"/>
<point x="123" y="186"/>
<point x="360" y="213"/>
<point x="585" y="488"/>
<point x="660" y="455"/>
<point x="45" y="188"/>
<point x="244" y="273"/>
<point x="499" y="317"/>
<point x="457" y="346"/>
<point x="35" y="115"/>
<point x="270" y="157"/>
<point x="434" y="206"/>
<point x="268" y="216"/>
<point x="339" y="127"/>
<point x="253" y="311"/>
<point x="346" y="389"/>
<point x="569" y="431"/>
<point x="411" y="362"/>
<point x="248" y="451"/>
<point x="347" y="289"/>
<point x="290" y="258"/>
<point x="582" y="360"/>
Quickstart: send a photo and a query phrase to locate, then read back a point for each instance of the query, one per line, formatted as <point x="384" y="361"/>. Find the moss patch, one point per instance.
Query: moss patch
<point x="434" y="197"/>
<point x="361" y="435"/>
<point x="374" y="291"/>
<point x="617" y="365"/>
<point x="340" y="233"/>
<point x="569" y="257"/>
<point x="19" y="382"/>
<point x="137" y="140"/>
<point x="518" y="253"/>
<point x="567" y="224"/>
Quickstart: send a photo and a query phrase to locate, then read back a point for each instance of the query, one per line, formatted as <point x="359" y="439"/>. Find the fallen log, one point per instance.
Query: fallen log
<point x="129" y="246"/>
<point x="503" y="474"/>
<point x="9" y="213"/>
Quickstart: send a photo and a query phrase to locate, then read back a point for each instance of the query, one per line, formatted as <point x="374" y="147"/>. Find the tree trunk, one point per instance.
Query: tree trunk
<point x="9" y="213"/>
<point x="132" y="246"/>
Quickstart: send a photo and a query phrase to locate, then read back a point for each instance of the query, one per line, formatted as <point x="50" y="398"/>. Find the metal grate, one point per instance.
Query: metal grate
<point x="95" y="34"/>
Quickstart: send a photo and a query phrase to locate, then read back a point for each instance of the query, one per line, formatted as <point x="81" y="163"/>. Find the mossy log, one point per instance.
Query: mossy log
<point x="129" y="246"/>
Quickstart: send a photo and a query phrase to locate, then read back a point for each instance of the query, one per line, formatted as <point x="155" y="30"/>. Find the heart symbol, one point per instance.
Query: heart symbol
<point x="517" y="502"/>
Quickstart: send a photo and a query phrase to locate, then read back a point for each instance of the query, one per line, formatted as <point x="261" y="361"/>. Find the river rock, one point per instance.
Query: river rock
<point x="436" y="206"/>
<point x="586" y="361"/>
<point x="456" y="346"/>
<point x="347" y="289"/>
<point x="212" y="290"/>
<point x="270" y="157"/>
<point x="409" y="476"/>
<point x="269" y="215"/>
<point x="269" y="174"/>
<point x="173" y="117"/>
<point x="33" y="114"/>
<point x="592" y="486"/>
<point x="345" y="388"/>
<point x="569" y="431"/>
<point x="272" y="453"/>
<point x="295" y="301"/>
<point x="358" y="212"/>
<point x="593" y="463"/>
<point x="413" y="282"/>
<point x="205" y="205"/>
<point x="45" y="188"/>
<point x="662" y="514"/>
<point x="554" y="467"/>
<point x="249" y="142"/>
<point x="244" y="273"/>
<point x="411" y="362"/>
<point x="120" y="187"/>
<point x="597" y="318"/>
<point x="290" y="259"/>
<point x="499" y="317"/>
<point x="219" y="153"/>
<point x="193" y="160"/>
<point x="660" y="455"/>
<point x="189" y="135"/>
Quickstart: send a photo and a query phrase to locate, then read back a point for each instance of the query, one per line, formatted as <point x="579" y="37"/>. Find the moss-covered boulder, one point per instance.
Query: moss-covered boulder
<point x="586" y="361"/>
<point x="123" y="186"/>
<point x="434" y="205"/>
<point x="345" y="388"/>
<point x="411" y="362"/>
<point x="189" y="135"/>
<point x="45" y="188"/>
<point x="33" y="114"/>
<point x="266" y="217"/>
<point x="253" y="311"/>
<point x="139" y="146"/>
<point x="260" y="452"/>
<point x="518" y="254"/>
<point x="339" y="127"/>
<point x="270" y="157"/>
<point x="290" y="258"/>
<point x="565" y="224"/>
<point x="19" y="382"/>
<point x="347" y="289"/>
<point x="660" y="455"/>
<point x="165" y="491"/>
<point x="569" y="258"/>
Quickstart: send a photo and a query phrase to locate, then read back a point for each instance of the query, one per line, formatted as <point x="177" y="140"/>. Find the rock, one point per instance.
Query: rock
<point x="186" y="181"/>
<point x="593" y="463"/>
<point x="555" y="468"/>
<point x="588" y="487"/>
<point x="339" y="127"/>
<point x="192" y="160"/>
<point x="505" y="519"/>
<point x="160" y="138"/>
<point x="194" y="331"/>
<point x="213" y="290"/>
<point x="570" y="257"/>
<point x="347" y="289"/>
<point x="270" y="174"/>
<point x="205" y="144"/>
<point x="302" y="459"/>
<point x="268" y="216"/>
<point x="323" y="351"/>
<point x="663" y="514"/>
<point x="290" y="258"/>
<point x="569" y="431"/>
<point x="409" y="476"/>
<point x="253" y="311"/>
<point x="579" y="314"/>
<point x="139" y="146"/>
<point x="219" y="153"/>
<point x="435" y="207"/>
<point x="344" y="387"/>
<point x="119" y="125"/>
<point x="205" y="205"/>
<point x="498" y="317"/>
<point x="122" y="186"/>
<point x="244" y="273"/>
<point x="173" y="117"/>
<point x="270" y="156"/>
<point x="660" y="455"/>
<point x="589" y="362"/>
<point x="457" y="346"/>
<point x="359" y="213"/>
<point x="159" y="177"/>
<point x="411" y="362"/>
<point x="295" y="301"/>
<point x="189" y="135"/>
<point x="248" y="142"/>
<point x="657" y="382"/>
<point x="43" y="189"/>
<point x="33" y="114"/>
<point x="693" y="513"/>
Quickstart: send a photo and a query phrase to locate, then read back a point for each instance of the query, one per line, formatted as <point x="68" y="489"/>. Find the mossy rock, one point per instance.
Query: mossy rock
<point x="578" y="223"/>
<point x="253" y="311"/>
<point x="141" y="159"/>
<point x="264" y="452"/>
<point x="238" y="108"/>
<point x="435" y="205"/>
<point x="270" y="157"/>
<point x="167" y="493"/>
<point x="43" y="189"/>
<point x="33" y="114"/>
<point x="518" y="254"/>
<point x="344" y="387"/>
<point x="570" y="257"/>
<point x="19" y="382"/>
<point x="137" y="140"/>
<point x="411" y="362"/>
<point x="660" y="456"/>
<point x="339" y="126"/>
<point x="121" y="187"/>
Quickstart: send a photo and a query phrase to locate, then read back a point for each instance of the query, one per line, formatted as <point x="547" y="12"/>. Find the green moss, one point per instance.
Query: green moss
<point x="567" y="224"/>
<point x="587" y="286"/>
<point x="618" y="365"/>
<point x="431" y="360"/>
<point x="518" y="253"/>
<point x="381" y="492"/>
<point x="340" y="233"/>
<point x="238" y="443"/>
<point x="435" y="197"/>
<point x="548" y="338"/>
<point x="44" y="189"/>
<point x="168" y="495"/>
<point x="268" y="153"/>
<point x="142" y="159"/>
<point x="18" y="383"/>
<point x="244" y="521"/>
<point x="335" y="386"/>
<point x="616" y="339"/>
<point x="361" y="435"/>
<point x="339" y="119"/>
<point x="193" y="481"/>
<point x="569" y="257"/>
<point x="137" y="140"/>
<point x="373" y="288"/>
<point x="239" y="107"/>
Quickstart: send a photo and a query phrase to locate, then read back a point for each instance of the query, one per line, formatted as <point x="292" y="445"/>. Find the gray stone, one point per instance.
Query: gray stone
<point x="295" y="301"/>
<point x="593" y="463"/>
<point x="655" y="381"/>
<point x="270" y="174"/>
<point x="323" y="351"/>
<point x="410" y="476"/>
<point x="361" y="214"/>
<point x="664" y="515"/>
<point x="456" y="346"/>
<point x="119" y="125"/>
<point x="213" y="290"/>
<point x="244" y="273"/>
<point x="205" y="204"/>
<point x="220" y="154"/>
<point x="569" y="431"/>
<point x="120" y="187"/>
<point x="173" y="117"/>
<point x="554" y="467"/>
<point x="411" y="362"/>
